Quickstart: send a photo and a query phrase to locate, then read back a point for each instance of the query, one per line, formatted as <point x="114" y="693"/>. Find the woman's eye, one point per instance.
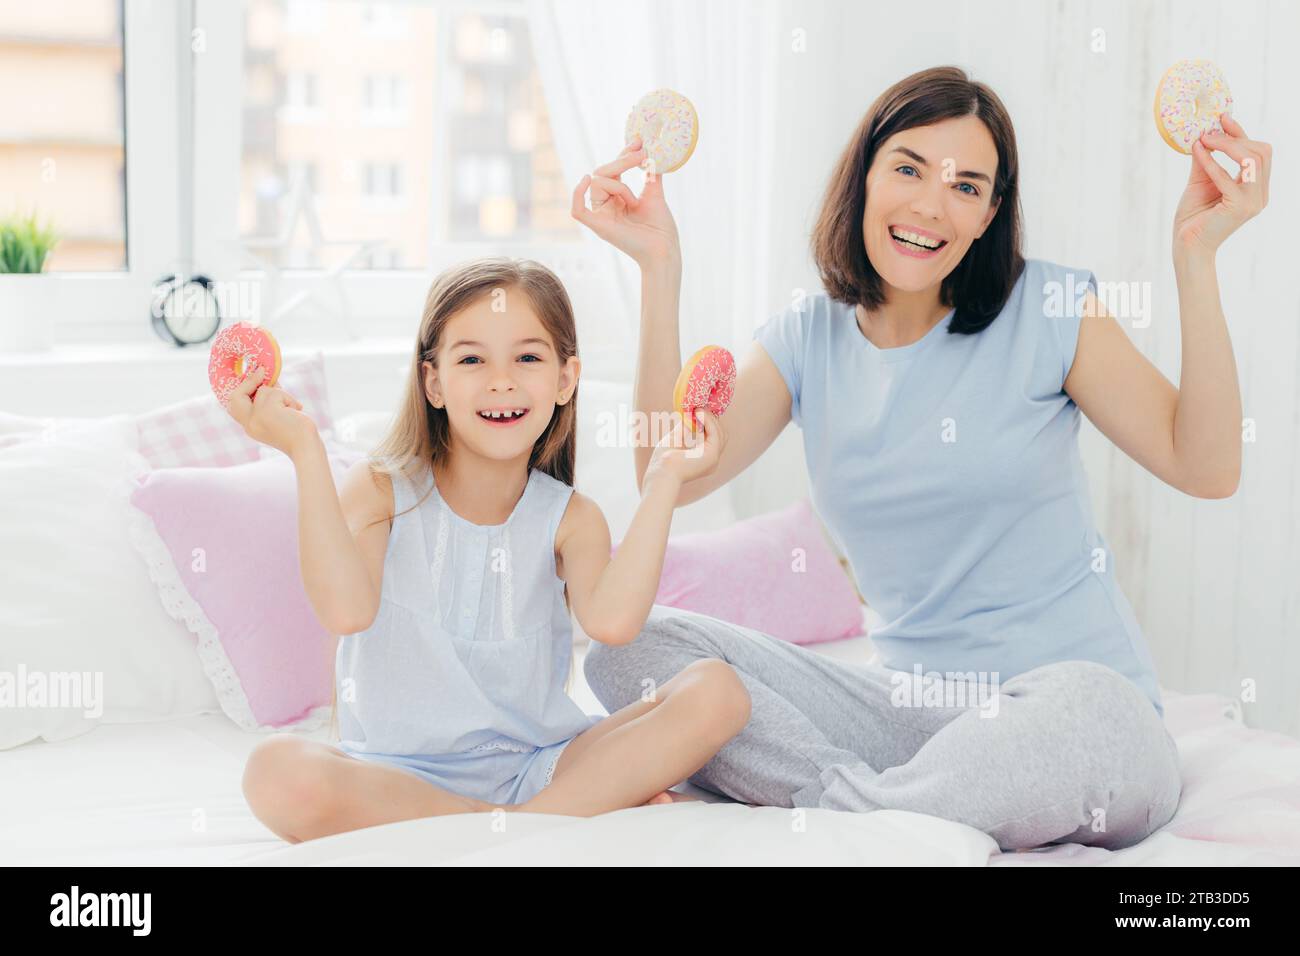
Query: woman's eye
<point x="974" y="191"/>
<point x="468" y="358"/>
<point x="901" y="168"/>
<point x="531" y="356"/>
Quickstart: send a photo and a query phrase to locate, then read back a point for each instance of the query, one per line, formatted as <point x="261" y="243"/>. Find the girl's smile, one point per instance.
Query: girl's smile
<point x="502" y="417"/>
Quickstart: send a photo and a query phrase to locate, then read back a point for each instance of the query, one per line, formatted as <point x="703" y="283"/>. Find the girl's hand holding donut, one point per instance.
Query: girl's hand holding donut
<point x="272" y="416"/>
<point x="688" y="458"/>
<point x="640" y="226"/>
<point x="1214" y="204"/>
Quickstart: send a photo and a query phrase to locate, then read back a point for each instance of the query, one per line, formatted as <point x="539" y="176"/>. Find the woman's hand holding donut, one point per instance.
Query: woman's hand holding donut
<point x="1214" y="204"/>
<point x="272" y="416"/>
<point x="641" y="226"/>
<point x="688" y="459"/>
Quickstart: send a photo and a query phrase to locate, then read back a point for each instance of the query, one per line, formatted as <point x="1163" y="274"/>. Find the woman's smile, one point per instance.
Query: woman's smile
<point x="916" y="243"/>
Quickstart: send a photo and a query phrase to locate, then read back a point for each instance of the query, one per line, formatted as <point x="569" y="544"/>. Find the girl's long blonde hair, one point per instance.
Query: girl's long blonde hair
<point x="420" y="435"/>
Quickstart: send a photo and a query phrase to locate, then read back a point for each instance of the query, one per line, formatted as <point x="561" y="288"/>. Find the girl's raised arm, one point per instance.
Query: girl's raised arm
<point x="611" y="596"/>
<point x="338" y="570"/>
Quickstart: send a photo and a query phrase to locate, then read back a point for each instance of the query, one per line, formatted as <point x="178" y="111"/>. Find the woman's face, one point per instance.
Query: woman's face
<point x="928" y="186"/>
<point x="497" y="356"/>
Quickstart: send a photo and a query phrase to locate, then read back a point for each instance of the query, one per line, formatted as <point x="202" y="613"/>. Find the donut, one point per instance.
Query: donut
<point x="666" y="122"/>
<point x="1190" y="97"/>
<point x="233" y="350"/>
<point x="708" y="380"/>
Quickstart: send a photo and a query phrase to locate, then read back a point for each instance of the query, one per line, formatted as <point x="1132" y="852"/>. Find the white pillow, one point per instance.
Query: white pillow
<point x="16" y="429"/>
<point x="362" y="431"/>
<point x="76" y="598"/>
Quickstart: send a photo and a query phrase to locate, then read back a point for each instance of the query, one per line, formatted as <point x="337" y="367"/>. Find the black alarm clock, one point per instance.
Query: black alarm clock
<point x="184" y="312"/>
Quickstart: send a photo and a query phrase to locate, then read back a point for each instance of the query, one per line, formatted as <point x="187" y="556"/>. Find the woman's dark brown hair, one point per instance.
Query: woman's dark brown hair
<point x="981" y="283"/>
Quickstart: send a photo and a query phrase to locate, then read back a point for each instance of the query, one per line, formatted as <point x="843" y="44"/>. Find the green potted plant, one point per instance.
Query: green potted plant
<point x="27" y="295"/>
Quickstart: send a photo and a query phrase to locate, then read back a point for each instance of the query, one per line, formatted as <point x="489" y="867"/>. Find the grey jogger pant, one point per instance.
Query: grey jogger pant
<point x="1068" y="752"/>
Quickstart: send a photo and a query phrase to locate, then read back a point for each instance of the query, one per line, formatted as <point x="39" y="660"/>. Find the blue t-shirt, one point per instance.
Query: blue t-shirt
<point x="948" y="471"/>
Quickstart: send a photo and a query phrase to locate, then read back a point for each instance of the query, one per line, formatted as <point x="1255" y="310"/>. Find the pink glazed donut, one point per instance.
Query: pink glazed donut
<point x="708" y="381"/>
<point x="234" y="350"/>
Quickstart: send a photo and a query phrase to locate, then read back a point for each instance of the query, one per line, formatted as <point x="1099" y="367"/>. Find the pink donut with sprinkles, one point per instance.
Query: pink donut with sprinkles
<point x="668" y="127"/>
<point x="1190" y="98"/>
<point x="234" y="350"/>
<point x="708" y="380"/>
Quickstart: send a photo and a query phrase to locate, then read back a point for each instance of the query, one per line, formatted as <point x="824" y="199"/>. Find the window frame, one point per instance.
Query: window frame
<point x="102" y="306"/>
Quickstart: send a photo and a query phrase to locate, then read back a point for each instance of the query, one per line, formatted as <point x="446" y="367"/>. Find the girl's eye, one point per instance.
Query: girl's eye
<point x="974" y="190"/>
<point x="475" y="358"/>
<point x="901" y="168"/>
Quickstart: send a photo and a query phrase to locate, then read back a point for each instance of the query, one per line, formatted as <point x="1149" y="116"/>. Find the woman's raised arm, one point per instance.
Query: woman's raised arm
<point x="643" y="228"/>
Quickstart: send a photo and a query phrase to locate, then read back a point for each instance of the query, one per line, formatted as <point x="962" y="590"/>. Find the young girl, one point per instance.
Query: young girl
<point x="449" y="563"/>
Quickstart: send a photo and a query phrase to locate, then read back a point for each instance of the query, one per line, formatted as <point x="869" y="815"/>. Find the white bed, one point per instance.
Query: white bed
<point x="169" y="793"/>
<point x="157" y="781"/>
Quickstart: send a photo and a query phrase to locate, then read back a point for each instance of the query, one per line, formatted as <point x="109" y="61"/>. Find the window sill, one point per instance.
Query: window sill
<point x="138" y="355"/>
<point x="134" y="377"/>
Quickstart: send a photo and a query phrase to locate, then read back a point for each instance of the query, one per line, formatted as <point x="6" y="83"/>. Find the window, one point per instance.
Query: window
<point x="62" y="130"/>
<point x="416" y="131"/>
<point x="304" y="16"/>
<point x="385" y="99"/>
<point x="300" y="91"/>
<point x="383" y="19"/>
<point x="383" y="179"/>
<point x="73" y="72"/>
<point x="434" y="104"/>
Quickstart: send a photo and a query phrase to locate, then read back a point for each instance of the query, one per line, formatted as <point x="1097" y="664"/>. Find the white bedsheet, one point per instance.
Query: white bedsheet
<point x="169" y="793"/>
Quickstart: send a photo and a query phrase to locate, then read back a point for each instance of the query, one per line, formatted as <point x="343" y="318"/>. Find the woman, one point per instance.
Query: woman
<point x="938" y="382"/>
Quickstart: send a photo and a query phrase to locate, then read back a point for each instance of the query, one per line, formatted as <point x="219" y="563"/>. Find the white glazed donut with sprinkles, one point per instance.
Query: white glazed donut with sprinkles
<point x="666" y="122"/>
<point x="1190" y="98"/>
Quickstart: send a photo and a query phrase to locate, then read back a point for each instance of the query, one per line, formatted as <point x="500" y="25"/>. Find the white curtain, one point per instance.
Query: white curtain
<point x="596" y="59"/>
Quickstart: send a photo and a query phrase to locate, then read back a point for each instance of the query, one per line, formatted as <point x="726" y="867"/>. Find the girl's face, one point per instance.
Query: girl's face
<point x="931" y="185"/>
<point x="496" y="361"/>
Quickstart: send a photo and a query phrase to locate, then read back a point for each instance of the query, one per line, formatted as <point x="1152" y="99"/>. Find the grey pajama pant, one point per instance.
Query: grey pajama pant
<point x="1070" y="752"/>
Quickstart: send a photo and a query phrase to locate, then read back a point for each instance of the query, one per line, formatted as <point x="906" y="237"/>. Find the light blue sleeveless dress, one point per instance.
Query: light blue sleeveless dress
<point x="460" y="678"/>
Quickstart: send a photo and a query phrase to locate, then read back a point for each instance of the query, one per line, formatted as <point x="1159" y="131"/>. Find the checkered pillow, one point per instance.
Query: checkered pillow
<point x="198" y="432"/>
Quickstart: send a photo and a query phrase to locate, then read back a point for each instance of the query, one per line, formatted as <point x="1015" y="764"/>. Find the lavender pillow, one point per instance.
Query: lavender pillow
<point x="774" y="573"/>
<point x="222" y="547"/>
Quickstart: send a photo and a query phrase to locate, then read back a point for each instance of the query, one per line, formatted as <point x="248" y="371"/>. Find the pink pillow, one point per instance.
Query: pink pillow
<point x="222" y="547"/>
<point x="774" y="573"/>
<point x="199" y="432"/>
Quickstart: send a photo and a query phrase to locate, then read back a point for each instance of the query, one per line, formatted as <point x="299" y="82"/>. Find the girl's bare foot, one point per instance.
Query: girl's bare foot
<point x="669" y="796"/>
